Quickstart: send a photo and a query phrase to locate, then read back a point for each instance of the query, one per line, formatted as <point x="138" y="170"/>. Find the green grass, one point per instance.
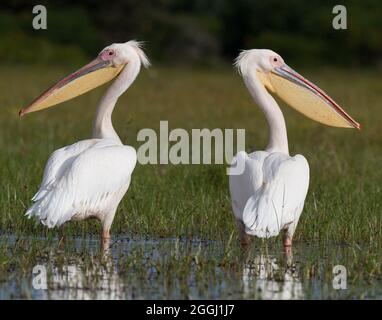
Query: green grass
<point x="344" y="200"/>
<point x="343" y="205"/>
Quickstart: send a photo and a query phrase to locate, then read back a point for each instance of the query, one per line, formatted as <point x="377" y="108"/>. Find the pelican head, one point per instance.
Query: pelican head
<point x="108" y="64"/>
<point x="298" y="92"/>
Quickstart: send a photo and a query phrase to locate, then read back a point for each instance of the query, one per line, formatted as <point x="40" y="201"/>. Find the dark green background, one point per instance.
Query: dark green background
<point x="194" y="32"/>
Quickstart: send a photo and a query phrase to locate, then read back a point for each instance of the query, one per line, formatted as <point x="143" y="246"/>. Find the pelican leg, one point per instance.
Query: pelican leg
<point x="243" y="237"/>
<point x="106" y="225"/>
<point x="288" y="237"/>
<point x="105" y="234"/>
<point x="105" y="239"/>
<point x="287" y="240"/>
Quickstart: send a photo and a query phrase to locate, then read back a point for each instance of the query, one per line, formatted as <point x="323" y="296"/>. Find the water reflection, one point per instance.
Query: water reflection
<point x="174" y="268"/>
<point x="267" y="278"/>
<point x="98" y="280"/>
<point x="263" y="277"/>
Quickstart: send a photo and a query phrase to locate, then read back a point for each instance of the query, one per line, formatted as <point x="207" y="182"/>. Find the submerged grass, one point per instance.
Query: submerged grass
<point x="171" y="268"/>
<point x="343" y="206"/>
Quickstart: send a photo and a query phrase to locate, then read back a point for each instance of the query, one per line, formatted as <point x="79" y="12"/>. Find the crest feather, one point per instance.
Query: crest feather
<point x="241" y="61"/>
<point x="138" y="46"/>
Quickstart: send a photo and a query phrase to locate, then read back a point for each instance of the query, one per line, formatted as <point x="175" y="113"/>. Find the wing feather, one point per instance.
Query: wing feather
<point x="280" y="199"/>
<point x="245" y="185"/>
<point x="88" y="184"/>
<point x="58" y="161"/>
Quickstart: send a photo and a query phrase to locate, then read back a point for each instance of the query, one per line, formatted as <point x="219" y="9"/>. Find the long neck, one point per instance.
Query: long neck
<point x="102" y="125"/>
<point x="278" y="140"/>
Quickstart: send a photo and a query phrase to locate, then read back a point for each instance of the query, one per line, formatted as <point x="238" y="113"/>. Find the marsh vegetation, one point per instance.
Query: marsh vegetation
<point x="174" y="233"/>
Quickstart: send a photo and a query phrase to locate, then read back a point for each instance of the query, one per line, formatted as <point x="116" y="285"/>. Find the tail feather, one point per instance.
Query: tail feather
<point x="39" y="195"/>
<point x="267" y="212"/>
<point x="51" y="209"/>
<point x="280" y="199"/>
<point x="260" y="218"/>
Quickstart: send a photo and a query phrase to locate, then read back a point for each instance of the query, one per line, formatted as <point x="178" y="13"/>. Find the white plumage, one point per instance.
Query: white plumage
<point x="89" y="178"/>
<point x="86" y="179"/>
<point x="269" y="196"/>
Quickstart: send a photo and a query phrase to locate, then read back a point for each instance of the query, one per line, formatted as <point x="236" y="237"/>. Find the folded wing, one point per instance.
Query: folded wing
<point x="85" y="184"/>
<point x="280" y="199"/>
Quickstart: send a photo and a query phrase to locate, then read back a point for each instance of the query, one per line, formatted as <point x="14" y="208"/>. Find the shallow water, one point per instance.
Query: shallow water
<point x="166" y="268"/>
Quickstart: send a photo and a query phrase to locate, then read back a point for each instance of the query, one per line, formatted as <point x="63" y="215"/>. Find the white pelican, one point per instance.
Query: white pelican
<point x="269" y="195"/>
<point x="90" y="177"/>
